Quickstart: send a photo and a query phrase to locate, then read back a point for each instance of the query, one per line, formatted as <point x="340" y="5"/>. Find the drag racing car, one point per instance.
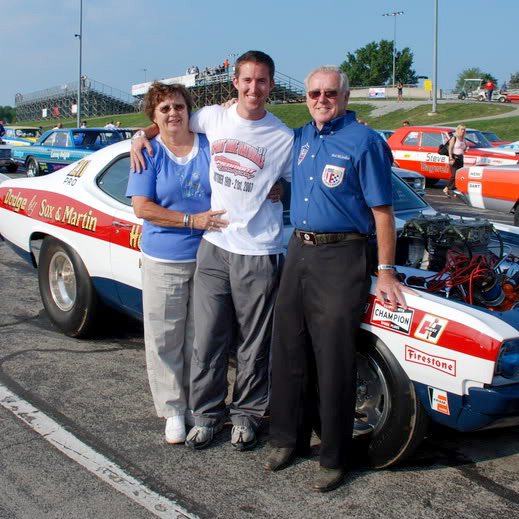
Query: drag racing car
<point x="451" y="356"/>
<point x="59" y="147"/>
<point x="21" y="135"/>
<point x="491" y="187"/>
<point x="416" y="148"/>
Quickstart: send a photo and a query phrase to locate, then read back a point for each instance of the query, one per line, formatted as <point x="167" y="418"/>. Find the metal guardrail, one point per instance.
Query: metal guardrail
<point x="66" y="88"/>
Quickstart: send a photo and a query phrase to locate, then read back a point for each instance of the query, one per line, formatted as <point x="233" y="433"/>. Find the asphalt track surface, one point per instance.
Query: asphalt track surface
<point x="97" y="390"/>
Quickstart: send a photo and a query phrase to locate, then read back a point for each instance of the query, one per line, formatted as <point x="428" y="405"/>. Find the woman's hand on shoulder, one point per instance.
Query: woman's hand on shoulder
<point x="137" y="161"/>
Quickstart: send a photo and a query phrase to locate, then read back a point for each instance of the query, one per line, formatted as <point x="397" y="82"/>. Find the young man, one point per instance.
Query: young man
<point x="238" y="268"/>
<point x="341" y="192"/>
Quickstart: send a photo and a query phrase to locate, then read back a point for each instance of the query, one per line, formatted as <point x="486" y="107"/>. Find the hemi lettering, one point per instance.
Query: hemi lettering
<point x="432" y="361"/>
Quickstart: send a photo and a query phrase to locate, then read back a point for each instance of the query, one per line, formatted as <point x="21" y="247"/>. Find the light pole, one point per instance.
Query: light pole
<point x="144" y="70"/>
<point x="394" y="15"/>
<point x="80" y="36"/>
<point x="435" y="58"/>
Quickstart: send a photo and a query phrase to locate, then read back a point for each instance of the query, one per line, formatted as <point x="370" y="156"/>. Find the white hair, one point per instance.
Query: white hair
<point x="344" y="82"/>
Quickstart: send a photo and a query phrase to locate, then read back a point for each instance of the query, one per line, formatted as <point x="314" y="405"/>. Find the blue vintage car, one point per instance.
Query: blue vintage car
<point x="59" y="147"/>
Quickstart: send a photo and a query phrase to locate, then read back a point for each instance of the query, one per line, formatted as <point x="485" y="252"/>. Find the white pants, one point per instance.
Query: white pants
<point x="167" y="297"/>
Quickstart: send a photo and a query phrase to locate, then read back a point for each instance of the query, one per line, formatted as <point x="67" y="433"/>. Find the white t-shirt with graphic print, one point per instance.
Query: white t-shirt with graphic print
<point x="247" y="158"/>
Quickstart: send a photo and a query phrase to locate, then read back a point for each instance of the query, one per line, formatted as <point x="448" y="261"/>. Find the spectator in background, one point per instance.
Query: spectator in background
<point x="2" y="129"/>
<point x="58" y="126"/>
<point x="226" y="64"/>
<point x="83" y="124"/>
<point x="457" y="147"/>
<point x="489" y="87"/>
<point x="110" y="126"/>
<point x="406" y="123"/>
<point x="504" y="87"/>
<point x="400" y="91"/>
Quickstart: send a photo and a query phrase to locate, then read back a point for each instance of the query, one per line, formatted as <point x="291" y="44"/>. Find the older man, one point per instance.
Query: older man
<point x="341" y="192"/>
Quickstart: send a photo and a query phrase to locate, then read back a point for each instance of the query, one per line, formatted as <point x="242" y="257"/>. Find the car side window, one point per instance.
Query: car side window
<point x="432" y="140"/>
<point x="62" y="140"/>
<point x="114" y="180"/>
<point x="411" y="139"/>
<point x="49" y="141"/>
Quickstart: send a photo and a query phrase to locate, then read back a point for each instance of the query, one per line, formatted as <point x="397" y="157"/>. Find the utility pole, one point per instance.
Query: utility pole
<point x="80" y="36"/>
<point x="394" y="15"/>
<point x="435" y="58"/>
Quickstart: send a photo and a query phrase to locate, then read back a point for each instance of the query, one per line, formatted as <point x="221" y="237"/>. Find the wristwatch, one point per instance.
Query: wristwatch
<point x="137" y="134"/>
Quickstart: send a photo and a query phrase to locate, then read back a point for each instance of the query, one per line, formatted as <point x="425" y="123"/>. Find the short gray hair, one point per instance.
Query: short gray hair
<point x="344" y="82"/>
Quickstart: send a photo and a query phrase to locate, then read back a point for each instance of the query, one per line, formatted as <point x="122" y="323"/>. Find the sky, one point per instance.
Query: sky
<point x="123" y="37"/>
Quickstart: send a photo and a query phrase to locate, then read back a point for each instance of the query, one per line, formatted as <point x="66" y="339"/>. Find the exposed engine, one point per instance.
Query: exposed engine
<point x="466" y="260"/>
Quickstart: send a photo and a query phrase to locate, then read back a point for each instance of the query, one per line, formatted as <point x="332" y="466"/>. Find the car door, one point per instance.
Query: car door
<point x="433" y="165"/>
<point x="406" y="153"/>
<point x="126" y="230"/>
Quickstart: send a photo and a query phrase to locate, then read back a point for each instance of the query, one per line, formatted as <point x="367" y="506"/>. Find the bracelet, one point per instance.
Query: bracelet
<point x="137" y="134"/>
<point x="185" y="220"/>
<point x="383" y="266"/>
<point x="192" y="222"/>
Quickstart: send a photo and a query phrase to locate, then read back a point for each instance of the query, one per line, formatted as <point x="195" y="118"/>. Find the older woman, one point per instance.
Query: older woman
<point x="457" y="147"/>
<point x="172" y="194"/>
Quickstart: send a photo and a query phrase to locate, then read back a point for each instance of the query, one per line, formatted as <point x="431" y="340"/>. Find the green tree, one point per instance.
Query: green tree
<point x="472" y="73"/>
<point x="514" y="80"/>
<point x="373" y="65"/>
<point x="7" y="113"/>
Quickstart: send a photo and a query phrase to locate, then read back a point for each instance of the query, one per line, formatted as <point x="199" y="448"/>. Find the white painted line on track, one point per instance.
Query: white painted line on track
<point x="88" y="458"/>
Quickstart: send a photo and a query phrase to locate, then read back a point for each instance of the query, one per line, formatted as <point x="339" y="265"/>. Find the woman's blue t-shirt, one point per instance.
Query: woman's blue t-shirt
<point x="176" y="183"/>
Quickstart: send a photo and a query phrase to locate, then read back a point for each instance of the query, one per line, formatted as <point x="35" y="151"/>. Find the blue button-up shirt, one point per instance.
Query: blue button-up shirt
<point x="338" y="174"/>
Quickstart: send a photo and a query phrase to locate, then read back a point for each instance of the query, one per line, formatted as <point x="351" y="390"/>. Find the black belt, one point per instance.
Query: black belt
<point x="322" y="238"/>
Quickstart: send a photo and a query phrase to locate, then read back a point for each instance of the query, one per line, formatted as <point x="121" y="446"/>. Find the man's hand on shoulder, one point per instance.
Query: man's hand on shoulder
<point x="139" y="142"/>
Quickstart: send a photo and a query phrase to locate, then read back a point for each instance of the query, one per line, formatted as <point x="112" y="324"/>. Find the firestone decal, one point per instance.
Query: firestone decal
<point x="399" y="320"/>
<point x="442" y="364"/>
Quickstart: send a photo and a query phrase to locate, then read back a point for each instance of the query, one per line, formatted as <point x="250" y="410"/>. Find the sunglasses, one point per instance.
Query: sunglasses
<point x="329" y="94"/>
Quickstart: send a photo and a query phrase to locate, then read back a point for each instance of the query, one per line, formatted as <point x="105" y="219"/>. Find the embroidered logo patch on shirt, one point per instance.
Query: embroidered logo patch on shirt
<point x="302" y="153"/>
<point x="332" y="175"/>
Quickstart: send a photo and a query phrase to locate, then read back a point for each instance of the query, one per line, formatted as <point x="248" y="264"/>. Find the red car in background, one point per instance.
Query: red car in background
<point x="416" y="148"/>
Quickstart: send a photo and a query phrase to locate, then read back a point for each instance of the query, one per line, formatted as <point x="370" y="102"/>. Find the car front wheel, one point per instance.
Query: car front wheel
<point x="386" y="400"/>
<point x="33" y="168"/>
<point x="66" y="289"/>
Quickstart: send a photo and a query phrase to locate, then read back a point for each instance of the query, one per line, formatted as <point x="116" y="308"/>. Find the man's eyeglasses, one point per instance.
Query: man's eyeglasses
<point x="329" y="94"/>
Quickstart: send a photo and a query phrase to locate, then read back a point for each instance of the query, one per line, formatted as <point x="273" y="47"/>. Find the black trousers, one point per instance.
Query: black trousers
<point x="458" y="163"/>
<point x="321" y="298"/>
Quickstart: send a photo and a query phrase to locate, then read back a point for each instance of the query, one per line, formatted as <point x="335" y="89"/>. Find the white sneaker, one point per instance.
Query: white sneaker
<point x="243" y="438"/>
<point x="176" y="429"/>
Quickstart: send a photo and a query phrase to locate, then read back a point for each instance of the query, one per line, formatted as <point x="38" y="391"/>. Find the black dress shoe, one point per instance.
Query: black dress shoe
<point x="328" y="479"/>
<point x="279" y="458"/>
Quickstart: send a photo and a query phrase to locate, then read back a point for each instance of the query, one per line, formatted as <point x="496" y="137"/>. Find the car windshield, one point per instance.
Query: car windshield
<point x="492" y="137"/>
<point x="28" y="133"/>
<point x="476" y="139"/>
<point x="96" y="138"/>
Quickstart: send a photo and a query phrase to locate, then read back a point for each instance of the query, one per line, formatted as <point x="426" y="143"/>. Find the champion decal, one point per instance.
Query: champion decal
<point x="302" y="153"/>
<point x="332" y="175"/>
<point x="398" y="321"/>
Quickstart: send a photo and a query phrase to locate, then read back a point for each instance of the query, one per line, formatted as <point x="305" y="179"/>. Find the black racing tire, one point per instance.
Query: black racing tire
<point x="32" y="167"/>
<point x="66" y="289"/>
<point x="11" y="168"/>
<point x="429" y="182"/>
<point x="387" y="400"/>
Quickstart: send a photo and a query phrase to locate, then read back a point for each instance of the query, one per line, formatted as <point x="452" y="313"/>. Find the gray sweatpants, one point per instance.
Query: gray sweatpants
<point x="233" y="306"/>
<point x="167" y="296"/>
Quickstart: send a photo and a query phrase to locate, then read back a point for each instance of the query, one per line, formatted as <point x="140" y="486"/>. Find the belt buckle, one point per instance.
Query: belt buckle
<point x="309" y="238"/>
